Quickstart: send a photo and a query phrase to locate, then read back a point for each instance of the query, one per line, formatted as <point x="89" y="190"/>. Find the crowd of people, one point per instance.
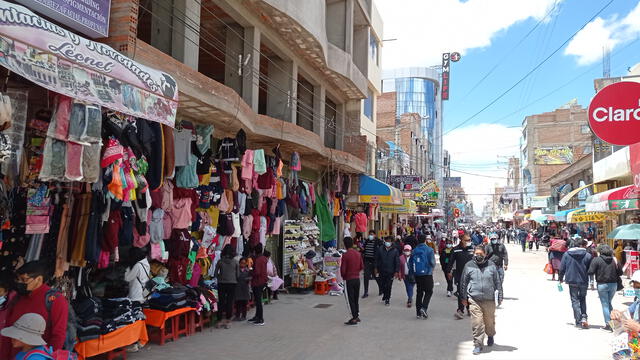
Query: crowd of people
<point x="471" y="260"/>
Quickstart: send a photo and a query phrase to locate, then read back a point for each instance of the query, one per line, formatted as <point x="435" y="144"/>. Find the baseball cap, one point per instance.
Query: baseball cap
<point x="407" y="247"/>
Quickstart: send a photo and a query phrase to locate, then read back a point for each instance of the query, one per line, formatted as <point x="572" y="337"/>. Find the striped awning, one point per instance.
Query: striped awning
<point x="622" y="198"/>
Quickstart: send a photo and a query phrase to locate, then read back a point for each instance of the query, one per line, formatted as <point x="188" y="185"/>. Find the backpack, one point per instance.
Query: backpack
<point x="71" y="337"/>
<point x="420" y="262"/>
<point x="51" y="354"/>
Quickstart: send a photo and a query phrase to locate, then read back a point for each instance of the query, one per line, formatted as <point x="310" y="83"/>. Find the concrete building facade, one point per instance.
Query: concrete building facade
<point x="289" y="72"/>
<point x="551" y="142"/>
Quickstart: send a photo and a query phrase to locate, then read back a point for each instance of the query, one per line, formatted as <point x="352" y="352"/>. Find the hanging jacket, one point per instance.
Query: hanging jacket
<point x="325" y="220"/>
<point x="229" y="150"/>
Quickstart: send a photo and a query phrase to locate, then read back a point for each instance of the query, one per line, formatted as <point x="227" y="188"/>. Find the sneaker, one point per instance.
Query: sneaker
<point x="423" y="313"/>
<point x="133" y="348"/>
<point x="584" y="324"/>
<point x="419" y="317"/>
<point x="365" y="295"/>
<point x="408" y="304"/>
<point x="259" y="323"/>
<point x="490" y="341"/>
<point x="253" y="319"/>
<point x="477" y="350"/>
<point x="386" y="303"/>
<point x="449" y="294"/>
<point x="459" y="315"/>
<point x="352" y="322"/>
<point x="358" y="319"/>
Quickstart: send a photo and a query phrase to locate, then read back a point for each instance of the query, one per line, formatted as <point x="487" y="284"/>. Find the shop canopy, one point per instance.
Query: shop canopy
<point x="622" y="198"/>
<point x="561" y="215"/>
<point x="540" y="218"/>
<point x="580" y="215"/>
<point x="372" y="190"/>
<point x="407" y="207"/>
<point x="565" y="199"/>
<point x="66" y="63"/>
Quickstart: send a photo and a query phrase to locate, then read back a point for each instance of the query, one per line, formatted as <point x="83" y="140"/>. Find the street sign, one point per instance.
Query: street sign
<point x="614" y="113"/>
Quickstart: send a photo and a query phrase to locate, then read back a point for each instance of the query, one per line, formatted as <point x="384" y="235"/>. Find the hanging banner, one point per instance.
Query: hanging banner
<point x="587" y="217"/>
<point x="90" y="17"/>
<point x="553" y="155"/>
<point x="66" y="63"/>
<point x="446" y="67"/>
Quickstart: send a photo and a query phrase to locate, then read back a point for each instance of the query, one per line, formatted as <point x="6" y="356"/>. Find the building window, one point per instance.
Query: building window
<point x="368" y="105"/>
<point x="585" y="129"/>
<point x="373" y="49"/>
<point x="586" y="149"/>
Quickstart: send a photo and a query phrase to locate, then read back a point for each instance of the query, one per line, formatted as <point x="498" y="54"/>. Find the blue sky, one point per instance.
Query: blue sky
<point x="486" y="32"/>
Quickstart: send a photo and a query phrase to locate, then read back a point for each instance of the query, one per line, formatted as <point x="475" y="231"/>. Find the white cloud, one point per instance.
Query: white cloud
<point x="477" y="149"/>
<point x="426" y="29"/>
<point x="587" y="45"/>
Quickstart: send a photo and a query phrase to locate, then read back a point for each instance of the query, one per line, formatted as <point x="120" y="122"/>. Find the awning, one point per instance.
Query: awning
<point x="69" y="64"/>
<point x="562" y="214"/>
<point x="565" y="199"/>
<point x="622" y="198"/>
<point x="581" y="215"/>
<point x="407" y="207"/>
<point x="521" y="212"/>
<point x="372" y="190"/>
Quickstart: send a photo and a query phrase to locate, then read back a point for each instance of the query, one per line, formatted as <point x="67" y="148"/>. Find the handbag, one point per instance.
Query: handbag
<point x="548" y="269"/>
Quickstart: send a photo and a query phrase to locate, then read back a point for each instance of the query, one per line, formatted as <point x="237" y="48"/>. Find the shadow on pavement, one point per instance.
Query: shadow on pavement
<point x="510" y="298"/>
<point x="497" y="347"/>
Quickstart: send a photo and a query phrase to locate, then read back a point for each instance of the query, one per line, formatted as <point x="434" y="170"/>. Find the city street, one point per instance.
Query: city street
<point x="534" y="319"/>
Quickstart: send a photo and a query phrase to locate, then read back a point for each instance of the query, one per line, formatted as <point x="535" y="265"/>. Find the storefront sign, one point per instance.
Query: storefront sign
<point x="446" y="67"/>
<point x="588" y="217"/>
<point x="452" y="182"/>
<point x="629" y="204"/>
<point x="66" y="63"/>
<point x="614" y="113"/>
<point x="406" y="182"/>
<point x="90" y="17"/>
<point x="553" y="155"/>
<point x="427" y="203"/>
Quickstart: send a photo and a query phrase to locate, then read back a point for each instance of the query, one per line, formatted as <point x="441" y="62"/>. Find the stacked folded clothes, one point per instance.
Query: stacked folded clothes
<point x="168" y="299"/>
<point x="97" y="316"/>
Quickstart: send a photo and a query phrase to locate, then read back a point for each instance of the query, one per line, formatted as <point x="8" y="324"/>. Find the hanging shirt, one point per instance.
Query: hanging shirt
<point x="361" y="222"/>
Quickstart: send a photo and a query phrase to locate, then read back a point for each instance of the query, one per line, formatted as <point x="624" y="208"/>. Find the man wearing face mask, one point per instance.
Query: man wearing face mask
<point x="371" y="246"/>
<point x="33" y="296"/>
<point x="446" y="257"/>
<point x="387" y="267"/>
<point x="479" y="283"/>
<point x="462" y="254"/>
<point x="497" y="252"/>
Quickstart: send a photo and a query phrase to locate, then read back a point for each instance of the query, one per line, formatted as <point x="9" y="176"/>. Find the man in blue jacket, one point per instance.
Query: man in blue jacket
<point x="574" y="271"/>
<point x="421" y="264"/>
<point x="387" y="267"/>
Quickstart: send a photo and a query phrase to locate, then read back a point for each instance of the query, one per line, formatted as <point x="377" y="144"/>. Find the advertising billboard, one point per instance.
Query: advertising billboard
<point x="553" y="155"/>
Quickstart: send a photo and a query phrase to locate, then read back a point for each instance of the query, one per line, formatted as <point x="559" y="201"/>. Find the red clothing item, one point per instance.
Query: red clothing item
<point x="361" y="222"/>
<point x="259" y="276"/>
<point x="351" y="265"/>
<point x="56" y="330"/>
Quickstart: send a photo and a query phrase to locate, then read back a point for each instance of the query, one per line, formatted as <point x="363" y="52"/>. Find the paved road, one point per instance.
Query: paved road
<point x="535" y="322"/>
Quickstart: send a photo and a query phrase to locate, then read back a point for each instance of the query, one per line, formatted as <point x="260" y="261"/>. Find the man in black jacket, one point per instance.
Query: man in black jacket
<point x="462" y="254"/>
<point x="369" y="251"/>
<point x="387" y="267"/>
<point x="497" y="252"/>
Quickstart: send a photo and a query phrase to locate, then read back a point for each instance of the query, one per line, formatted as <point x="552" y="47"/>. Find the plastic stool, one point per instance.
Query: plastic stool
<point x="321" y="287"/>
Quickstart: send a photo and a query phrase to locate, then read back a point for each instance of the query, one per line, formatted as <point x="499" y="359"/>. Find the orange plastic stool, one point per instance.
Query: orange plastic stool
<point x="321" y="287"/>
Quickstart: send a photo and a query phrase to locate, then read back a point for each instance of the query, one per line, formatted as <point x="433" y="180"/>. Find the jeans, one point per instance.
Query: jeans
<point x="409" y="287"/>
<point x="226" y="293"/>
<point x="606" y="291"/>
<point x="424" y="292"/>
<point x="257" y="300"/>
<point x="386" y="283"/>
<point x="449" y="280"/>
<point x="501" y="276"/>
<point x="578" y="295"/>
<point x="353" y="291"/>
<point x="524" y="245"/>
<point x="369" y="267"/>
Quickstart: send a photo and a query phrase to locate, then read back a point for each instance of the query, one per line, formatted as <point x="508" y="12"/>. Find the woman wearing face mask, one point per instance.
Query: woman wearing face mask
<point x="409" y="280"/>
<point x="479" y="282"/>
<point x="446" y="257"/>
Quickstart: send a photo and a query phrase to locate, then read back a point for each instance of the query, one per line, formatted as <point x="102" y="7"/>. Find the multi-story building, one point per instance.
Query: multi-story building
<point x="302" y="74"/>
<point x="551" y="142"/>
<point x="418" y="91"/>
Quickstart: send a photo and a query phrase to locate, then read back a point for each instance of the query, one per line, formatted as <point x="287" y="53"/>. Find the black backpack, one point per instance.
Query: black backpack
<point x="70" y="340"/>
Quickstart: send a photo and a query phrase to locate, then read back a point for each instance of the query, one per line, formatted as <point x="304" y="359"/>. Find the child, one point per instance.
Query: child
<point x="26" y="335"/>
<point x="242" y="291"/>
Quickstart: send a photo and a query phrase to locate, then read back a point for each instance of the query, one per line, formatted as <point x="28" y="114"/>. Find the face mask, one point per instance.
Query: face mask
<point x="387" y="244"/>
<point x="370" y="237"/>
<point x="3" y="299"/>
<point x="449" y="246"/>
<point x="479" y="259"/>
<point x="494" y="241"/>
<point x="21" y="289"/>
<point x="407" y="253"/>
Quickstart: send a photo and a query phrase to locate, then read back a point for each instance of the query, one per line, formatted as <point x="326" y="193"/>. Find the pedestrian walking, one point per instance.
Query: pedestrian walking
<point x="258" y="282"/>
<point x="462" y="254"/>
<point x="522" y="238"/>
<point x="556" y="251"/>
<point x="479" y="284"/>
<point x="227" y="272"/>
<point x="408" y="279"/>
<point x="607" y="273"/>
<point x="387" y="267"/>
<point x="446" y="257"/>
<point x="421" y="264"/>
<point x="497" y="252"/>
<point x="573" y="270"/>
<point x="350" y="268"/>
<point x="370" y="249"/>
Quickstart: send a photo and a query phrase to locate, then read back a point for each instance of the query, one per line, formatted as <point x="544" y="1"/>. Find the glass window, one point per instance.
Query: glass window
<point x="373" y="48"/>
<point x="368" y="105"/>
<point x="585" y="129"/>
<point x="587" y="149"/>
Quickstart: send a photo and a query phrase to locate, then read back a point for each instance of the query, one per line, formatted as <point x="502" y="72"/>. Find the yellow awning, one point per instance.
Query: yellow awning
<point x="565" y="199"/>
<point x="408" y="207"/>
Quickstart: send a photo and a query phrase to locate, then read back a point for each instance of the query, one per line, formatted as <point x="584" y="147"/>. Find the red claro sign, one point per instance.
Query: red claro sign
<point x="614" y="113"/>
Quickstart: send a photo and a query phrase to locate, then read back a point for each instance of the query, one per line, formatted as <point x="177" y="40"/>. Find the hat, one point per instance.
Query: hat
<point x="493" y="236"/>
<point x="29" y="329"/>
<point x="407" y="247"/>
<point x="635" y="277"/>
<point x="112" y="152"/>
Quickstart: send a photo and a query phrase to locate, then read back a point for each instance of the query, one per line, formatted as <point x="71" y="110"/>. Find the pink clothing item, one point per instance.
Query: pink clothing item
<point x="73" y="163"/>
<point x="247" y="165"/>
<point x="247" y="226"/>
<point x="141" y="241"/>
<point x="312" y="193"/>
<point x="167" y="225"/>
<point x="167" y="196"/>
<point x="224" y="204"/>
<point x="59" y="127"/>
<point x="195" y="275"/>
<point x="181" y="213"/>
<point x="103" y="260"/>
<point x="361" y="222"/>
<point x="276" y="225"/>
<point x="156" y="251"/>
